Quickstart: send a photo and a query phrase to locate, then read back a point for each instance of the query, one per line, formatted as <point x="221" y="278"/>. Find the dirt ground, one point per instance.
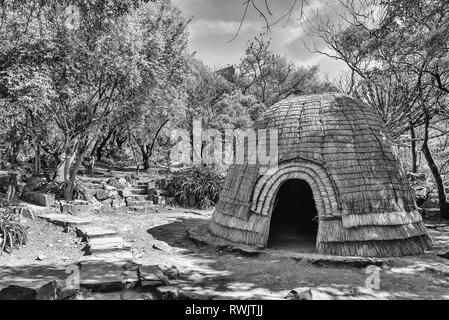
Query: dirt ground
<point x="161" y="238"/>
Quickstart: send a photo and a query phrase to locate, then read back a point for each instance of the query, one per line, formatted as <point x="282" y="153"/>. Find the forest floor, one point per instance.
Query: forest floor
<point x="161" y="237"/>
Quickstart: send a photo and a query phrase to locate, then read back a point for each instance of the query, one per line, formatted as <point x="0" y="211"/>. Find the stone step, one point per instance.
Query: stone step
<point x="137" y="197"/>
<point x="109" y="244"/>
<point x="65" y="220"/>
<point x="105" y="276"/>
<point x="142" y="203"/>
<point x="94" y="232"/>
<point x="139" y="191"/>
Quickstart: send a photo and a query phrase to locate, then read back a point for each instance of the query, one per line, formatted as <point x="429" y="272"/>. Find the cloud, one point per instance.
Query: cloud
<point x="215" y="22"/>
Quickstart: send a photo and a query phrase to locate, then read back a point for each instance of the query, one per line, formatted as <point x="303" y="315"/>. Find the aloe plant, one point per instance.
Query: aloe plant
<point x="12" y="233"/>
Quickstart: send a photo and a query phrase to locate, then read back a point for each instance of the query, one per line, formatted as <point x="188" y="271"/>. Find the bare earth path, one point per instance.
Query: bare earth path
<point x="160" y="237"/>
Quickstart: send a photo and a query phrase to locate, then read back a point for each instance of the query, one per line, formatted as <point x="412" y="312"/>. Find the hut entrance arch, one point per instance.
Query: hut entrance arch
<point x="294" y="218"/>
<point x="313" y="186"/>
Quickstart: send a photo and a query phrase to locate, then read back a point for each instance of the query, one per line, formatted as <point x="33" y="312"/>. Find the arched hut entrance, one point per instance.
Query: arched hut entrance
<point x="294" y="220"/>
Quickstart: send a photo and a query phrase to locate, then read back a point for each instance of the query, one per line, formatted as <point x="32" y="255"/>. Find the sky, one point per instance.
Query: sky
<point x="215" y="22"/>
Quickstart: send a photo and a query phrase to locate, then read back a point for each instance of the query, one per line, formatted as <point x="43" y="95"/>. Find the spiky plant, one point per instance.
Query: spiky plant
<point x="203" y="184"/>
<point x="12" y="234"/>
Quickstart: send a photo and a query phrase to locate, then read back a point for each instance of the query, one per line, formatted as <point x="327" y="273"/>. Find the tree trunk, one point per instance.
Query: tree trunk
<point x="435" y="172"/>
<point x="103" y="144"/>
<point x="413" y="151"/>
<point x="72" y="167"/>
<point x="145" y="157"/>
<point x="37" y="158"/>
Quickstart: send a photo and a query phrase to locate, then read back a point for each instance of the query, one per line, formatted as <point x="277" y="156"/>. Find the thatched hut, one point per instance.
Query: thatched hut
<point x="337" y="180"/>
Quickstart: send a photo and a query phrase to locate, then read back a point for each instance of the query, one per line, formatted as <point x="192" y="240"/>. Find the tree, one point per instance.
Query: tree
<point x="404" y="43"/>
<point x="81" y="72"/>
<point x="272" y="77"/>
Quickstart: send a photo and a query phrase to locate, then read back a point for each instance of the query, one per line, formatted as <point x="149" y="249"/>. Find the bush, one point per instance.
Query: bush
<point x="79" y="192"/>
<point x="12" y="233"/>
<point x="199" y="187"/>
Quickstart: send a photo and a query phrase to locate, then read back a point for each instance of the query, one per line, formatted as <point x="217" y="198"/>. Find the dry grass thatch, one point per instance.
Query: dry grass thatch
<point x="341" y="148"/>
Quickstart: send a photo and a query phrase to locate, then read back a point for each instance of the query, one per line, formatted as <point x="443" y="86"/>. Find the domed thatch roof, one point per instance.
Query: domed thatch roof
<point x="340" y="147"/>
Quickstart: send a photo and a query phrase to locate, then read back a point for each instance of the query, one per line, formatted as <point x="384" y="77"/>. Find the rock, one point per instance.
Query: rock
<point x="118" y="203"/>
<point x="152" y="276"/>
<point x="102" y="195"/>
<point x="156" y="199"/>
<point x="113" y="194"/>
<point x="168" y="293"/>
<point x="172" y="272"/>
<point x="109" y="188"/>
<point x="119" y="184"/>
<point x="308" y="294"/>
<point x="40" y="257"/>
<point x="64" y="293"/>
<point x="153" y="192"/>
<point x="107" y="203"/>
<point x="39" y="291"/>
<point x="126" y="193"/>
<point x="299" y="294"/>
<point x="123" y="183"/>
<point x="162" y="246"/>
<point x="77" y="208"/>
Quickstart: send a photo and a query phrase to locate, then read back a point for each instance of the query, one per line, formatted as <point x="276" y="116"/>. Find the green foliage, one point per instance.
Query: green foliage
<point x="12" y="234"/>
<point x="202" y="184"/>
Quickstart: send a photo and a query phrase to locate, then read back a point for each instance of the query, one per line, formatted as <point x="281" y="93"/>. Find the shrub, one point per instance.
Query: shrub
<point x="57" y="188"/>
<point x="12" y="233"/>
<point x="198" y="187"/>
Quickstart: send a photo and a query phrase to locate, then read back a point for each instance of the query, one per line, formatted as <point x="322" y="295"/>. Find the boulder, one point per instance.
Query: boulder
<point x="37" y="291"/>
<point x="107" y="203"/>
<point x="119" y="184"/>
<point x="118" y="203"/>
<point x="102" y="195"/>
<point x="108" y="187"/>
<point x="126" y="193"/>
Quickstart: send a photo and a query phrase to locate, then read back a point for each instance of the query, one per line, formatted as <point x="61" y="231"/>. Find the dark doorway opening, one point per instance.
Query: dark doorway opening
<point x="294" y="221"/>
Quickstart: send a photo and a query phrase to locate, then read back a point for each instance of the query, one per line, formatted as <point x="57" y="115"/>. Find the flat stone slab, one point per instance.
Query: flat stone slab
<point x="124" y="259"/>
<point x="65" y="220"/>
<point x="152" y="276"/>
<point x="93" y="232"/>
<point x="109" y="244"/>
<point x="318" y="259"/>
<point x="103" y="276"/>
